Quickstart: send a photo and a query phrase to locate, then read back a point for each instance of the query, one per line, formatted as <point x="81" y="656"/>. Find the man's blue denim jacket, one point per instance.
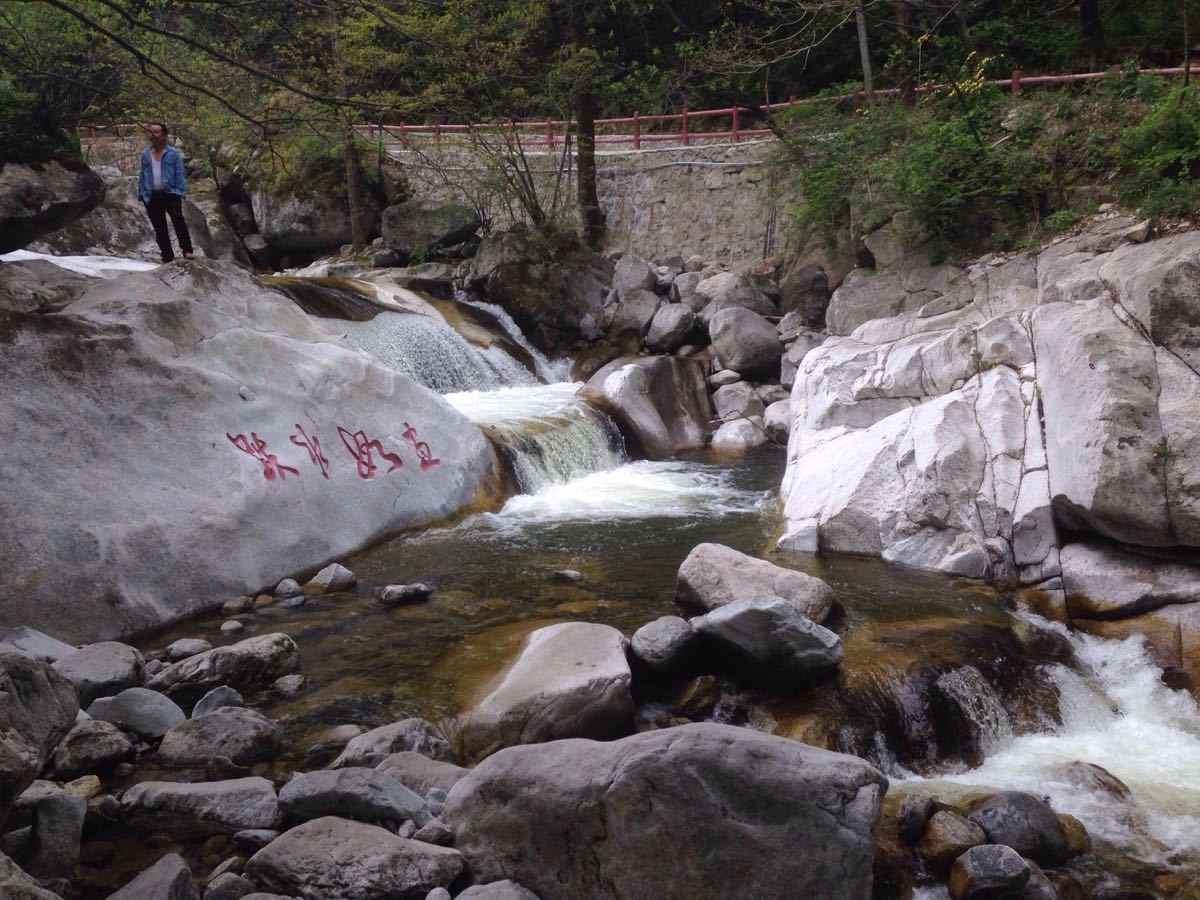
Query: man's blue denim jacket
<point x="173" y="179"/>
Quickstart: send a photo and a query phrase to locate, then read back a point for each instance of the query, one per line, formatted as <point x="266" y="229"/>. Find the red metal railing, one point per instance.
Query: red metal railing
<point x="685" y="127"/>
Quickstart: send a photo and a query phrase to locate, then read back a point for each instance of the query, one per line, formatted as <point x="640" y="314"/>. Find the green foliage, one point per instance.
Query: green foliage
<point x="1161" y="156"/>
<point x="26" y="136"/>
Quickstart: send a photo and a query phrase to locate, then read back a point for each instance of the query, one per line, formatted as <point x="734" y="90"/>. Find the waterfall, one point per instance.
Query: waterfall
<point x="980" y="705"/>
<point x="410" y="334"/>
<point x="552" y="371"/>
<point x="546" y="434"/>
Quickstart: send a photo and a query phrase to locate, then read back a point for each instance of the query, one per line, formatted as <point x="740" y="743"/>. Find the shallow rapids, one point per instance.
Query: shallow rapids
<point x="1117" y="714"/>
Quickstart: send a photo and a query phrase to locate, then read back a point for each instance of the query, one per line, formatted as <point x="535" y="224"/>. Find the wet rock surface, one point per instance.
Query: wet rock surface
<point x="713" y="575"/>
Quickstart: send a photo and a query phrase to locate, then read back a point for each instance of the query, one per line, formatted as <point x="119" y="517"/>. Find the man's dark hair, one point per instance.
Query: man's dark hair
<point x="163" y="125"/>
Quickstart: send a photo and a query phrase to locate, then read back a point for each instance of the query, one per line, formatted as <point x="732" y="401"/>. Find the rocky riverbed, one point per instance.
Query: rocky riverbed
<point x="341" y="585"/>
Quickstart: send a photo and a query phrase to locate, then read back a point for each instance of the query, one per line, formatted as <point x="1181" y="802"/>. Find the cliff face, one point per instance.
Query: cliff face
<point x="980" y="421"/>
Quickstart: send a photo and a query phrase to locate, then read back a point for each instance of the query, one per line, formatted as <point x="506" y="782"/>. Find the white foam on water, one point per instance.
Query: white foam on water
<point x="557" y="370"/>
<point x="93" y="266"/>
<point x="1117" y="714"/>
<point x="636" y="490"/>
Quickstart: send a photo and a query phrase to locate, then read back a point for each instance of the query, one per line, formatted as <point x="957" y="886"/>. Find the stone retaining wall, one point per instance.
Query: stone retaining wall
<point x="719" y="201"/>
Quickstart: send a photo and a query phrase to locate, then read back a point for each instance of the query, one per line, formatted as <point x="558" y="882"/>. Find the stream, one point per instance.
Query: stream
<point x="947" y="684"/>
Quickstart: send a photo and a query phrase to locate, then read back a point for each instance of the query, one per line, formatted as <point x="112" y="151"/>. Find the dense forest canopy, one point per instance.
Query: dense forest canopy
<point x="275" y="86"/>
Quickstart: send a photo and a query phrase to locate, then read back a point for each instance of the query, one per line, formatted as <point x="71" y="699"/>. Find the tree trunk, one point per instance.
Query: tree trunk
<point x="964" y="33"/>
<point x="864" y="51"/>
<point x="908" y="84"/>
<point x="354" y="193"/>
<point x="590" y="213"/>
<point x="1093" y="31"/>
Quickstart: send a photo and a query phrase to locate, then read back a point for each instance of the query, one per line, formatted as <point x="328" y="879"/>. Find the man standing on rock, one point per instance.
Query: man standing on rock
<point x="162" y="187"/>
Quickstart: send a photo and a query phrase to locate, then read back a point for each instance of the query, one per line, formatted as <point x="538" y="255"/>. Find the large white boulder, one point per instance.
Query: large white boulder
<point x="164" y="451"/>
<point x="1050" y="391"/>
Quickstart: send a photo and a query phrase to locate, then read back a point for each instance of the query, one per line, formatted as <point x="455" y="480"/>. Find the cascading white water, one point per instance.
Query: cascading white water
<point x="546" y="433"/>
<point x="1116" y="714"/>
<point x="570" y="464"/>
<point x="551" y="371"/>
<point x="433" y="353"/>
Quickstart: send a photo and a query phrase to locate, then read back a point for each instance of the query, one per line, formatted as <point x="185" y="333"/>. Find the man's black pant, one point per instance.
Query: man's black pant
<point x="161" y="205"/>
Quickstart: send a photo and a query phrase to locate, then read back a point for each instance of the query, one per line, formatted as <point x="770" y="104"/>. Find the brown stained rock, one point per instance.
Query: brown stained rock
<point x="698" y="697"/>
<point x="948" y="836"/>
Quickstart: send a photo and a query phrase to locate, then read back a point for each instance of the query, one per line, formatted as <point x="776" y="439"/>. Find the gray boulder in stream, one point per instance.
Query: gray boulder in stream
<point x="254" y="662"/>
<point x="661" y="403"/>
<point x="185" y="435"/>
<point x="770" y="641"/>
<point x="570" y="680"/>
<point x="714" y="575"/>
<point x="701" y="810"/>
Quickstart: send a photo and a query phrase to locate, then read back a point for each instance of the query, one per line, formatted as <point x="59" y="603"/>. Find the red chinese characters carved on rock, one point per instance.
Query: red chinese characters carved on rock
<point x="313" y="446"/>
<point x="257" y="447"/>
<point x="363" y="450"/>
<point x="422" y="448"/>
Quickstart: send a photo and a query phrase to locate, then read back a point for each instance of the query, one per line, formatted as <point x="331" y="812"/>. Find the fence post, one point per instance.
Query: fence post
<point x="637" y="130"/>
<point x="683" y="127"/>
<point x="400" y="126"/>
<point x="735" y="124"/>
<point x="437" y="133"/>
<point x="1016" y="81"/>
<point x="549" y="135"/>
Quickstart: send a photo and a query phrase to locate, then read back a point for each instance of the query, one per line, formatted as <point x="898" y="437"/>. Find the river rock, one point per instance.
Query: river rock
<point x="185" y="647"/>
<point x="769" y="640"/>
<point x="91" y="747"/>
<point x="173" y="353"/>
<point x="673" y="326"/>
<point x="714" y="575"/>
<point x="242" y="735"/>
<point x="736" y="401"/>
<point x="103" y="669"/>
<point x="140" y="711"/>
<point x="373" y="747"/>
<point x="217" y="698"/>
<point x="498" y="890"/>
<point x="254" y="662"/>
<point x="37" y="708"/>
<point x="777" y="421"/>
<point x="806" y="293"/>
<point x="57" y="830"/>
<point x="289" y="587"/>
<point x="367" y="795"/>
<point x="549" y="293"/>
<point x="228" y="886"/>
<point x="794" y="355"/>
<point x="1104" y="582"/>
<point x="598" y="819"/>
<point x="632" y="274"/>
<point x="627" y="321"/>
<point x="683" y="291"/>
<point x="569" y="680"/>
<point x="661" y="403"/>
<point x="229" y="806"/>
<point x="168" y="879"/>
<point x="987" y="871"/>
<point x="304" y="221"/>
<point x="38" y="199"/>
<point x="732" y="290"/>
<point x="1026" y="823"/>
<point x="16" y="885"/>
<point x="31" y="642"/>
<point x="330" y="857"/>
<point x="419" y="225"/>
<point x="419" y="773"/>
<point x="739" y="435"/>
<point x="947" y="836"/>
<point x="404" y="594"/>
<point x="746" y="342"/>
<point x="334" y="577"/>
<point x="663" y="645"/>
